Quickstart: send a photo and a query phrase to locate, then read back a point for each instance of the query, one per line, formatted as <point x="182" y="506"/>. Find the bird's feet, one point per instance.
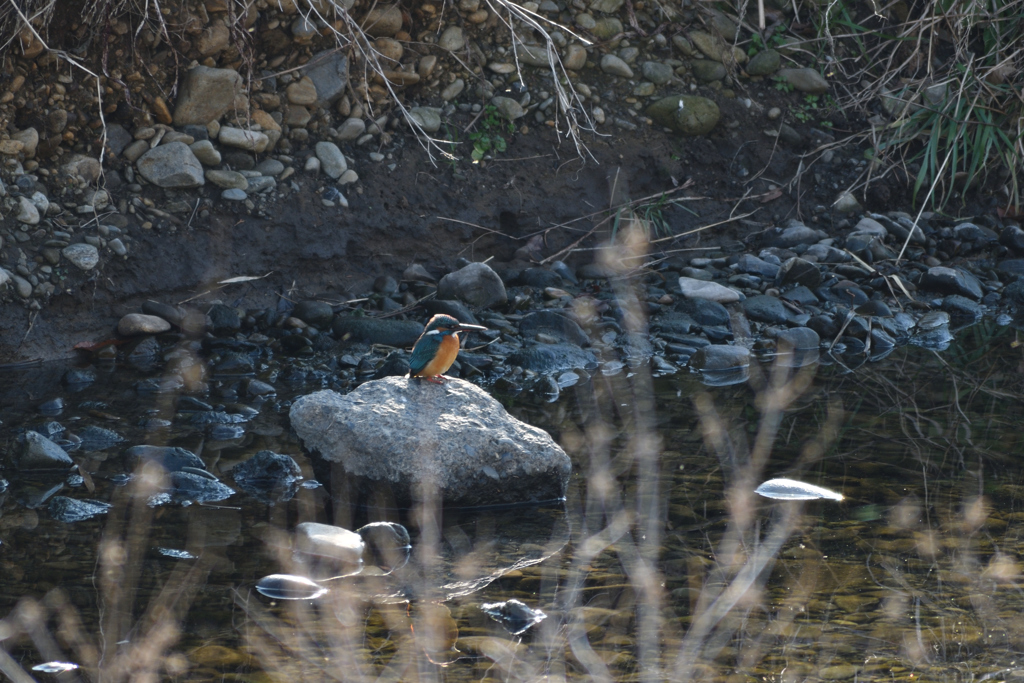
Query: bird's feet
<point x="436" y="379"/>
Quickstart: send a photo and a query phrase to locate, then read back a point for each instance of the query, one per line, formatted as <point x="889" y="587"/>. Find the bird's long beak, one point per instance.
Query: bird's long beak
<point x="465" y="327"/>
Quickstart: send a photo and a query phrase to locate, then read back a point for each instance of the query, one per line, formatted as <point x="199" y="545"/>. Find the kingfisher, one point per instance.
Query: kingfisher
<point x="437" y="347"/>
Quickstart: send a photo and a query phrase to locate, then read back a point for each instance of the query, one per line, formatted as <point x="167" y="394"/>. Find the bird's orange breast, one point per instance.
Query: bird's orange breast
<point x="443" y="359"/>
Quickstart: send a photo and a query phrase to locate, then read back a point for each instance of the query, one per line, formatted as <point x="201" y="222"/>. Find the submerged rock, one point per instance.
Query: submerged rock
<point x="171" y="458"/>
<point x="268" y="476"/>
<point x="545" y="359"/>
<point x="64" y="509"/>
<point x="409" y="434"/>
<point x="38" y="452"/>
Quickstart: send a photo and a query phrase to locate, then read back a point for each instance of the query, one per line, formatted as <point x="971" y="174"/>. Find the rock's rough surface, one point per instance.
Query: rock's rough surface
<point x="477" y="284"/>
<point x="171" y="166"/>
<point x="416" y="436"/>
<point x="206" y="94"/>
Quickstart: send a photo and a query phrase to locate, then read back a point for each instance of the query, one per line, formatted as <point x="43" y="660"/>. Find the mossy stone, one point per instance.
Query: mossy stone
<point x="706" y="70"/>
<point x="764" y="63"/>
<point x="685" y="114"/>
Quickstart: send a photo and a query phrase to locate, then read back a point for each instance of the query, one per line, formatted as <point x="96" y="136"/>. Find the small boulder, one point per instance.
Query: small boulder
<point x="206" y="94"/>
<point x="385" y="331"/>
<point x="135" y="324"/>
<point x="171" y="166"/>
<point x="477" y="284"/>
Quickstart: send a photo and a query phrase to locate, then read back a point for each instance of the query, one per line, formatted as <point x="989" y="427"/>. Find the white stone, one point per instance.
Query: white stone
<point x="244" y="139"/>
<point x="331" y="542"/>
<point x="312" y="165"/>
<point x="693" y="288"/>
<point x="27" y="211"/>
<point x="331" y="159"/>
<point x="84" y="256"/>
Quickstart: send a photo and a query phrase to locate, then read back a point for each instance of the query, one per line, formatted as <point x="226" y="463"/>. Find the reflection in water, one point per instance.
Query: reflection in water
<point x="662" y="565"/>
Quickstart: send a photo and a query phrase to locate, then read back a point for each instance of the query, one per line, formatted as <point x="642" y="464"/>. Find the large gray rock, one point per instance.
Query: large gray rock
<point x="171" y="166"/>
<point x="477" y="284"/>
<point x="206" y="94"/>
<point x="329" y="72"/>
<point x="415" y="436"/>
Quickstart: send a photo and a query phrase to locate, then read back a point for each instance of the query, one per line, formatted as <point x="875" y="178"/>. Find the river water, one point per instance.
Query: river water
<point x="661" y="565"/>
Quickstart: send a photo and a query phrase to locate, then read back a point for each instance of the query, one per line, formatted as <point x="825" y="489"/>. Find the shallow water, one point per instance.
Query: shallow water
<point x="662" y="565"/>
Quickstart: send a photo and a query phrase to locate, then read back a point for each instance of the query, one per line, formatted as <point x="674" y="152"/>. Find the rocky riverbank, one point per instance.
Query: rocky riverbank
<point x="249" y="156"/>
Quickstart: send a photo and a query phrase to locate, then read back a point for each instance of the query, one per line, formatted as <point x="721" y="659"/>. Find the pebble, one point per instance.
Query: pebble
<point x="83" y="256"/>
<point x="227" y="179"/>
<point x="805" y="80"/>
<point x="699" y="289"/>
<point x="233" y="195"/>
<point x="613" y="65"/>
<point x="135" y="324"/>
<point x="27" y="212"/>
<point x="331" y="159"/>
<point x="252" y="140"/>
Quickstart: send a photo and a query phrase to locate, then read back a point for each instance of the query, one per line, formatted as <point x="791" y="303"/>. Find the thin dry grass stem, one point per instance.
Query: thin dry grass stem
<point x="570" y="104"/>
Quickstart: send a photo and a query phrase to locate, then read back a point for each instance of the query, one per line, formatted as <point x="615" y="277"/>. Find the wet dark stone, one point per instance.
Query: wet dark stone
<point x="827" y="326"/>
<point x="880" y="339"/>
<point x="800" y="272"/>
<point x="385" y="284"/>
<point x="513" y="615"/>
<point x="295" y="344"/>
<point x="548" y="358"/>
<point x="844" y="292"/>
<point x="1011" y="269"/>
<point x="1013" y="237"/>
<point x="793" y="236"/>
<point x="387" y="545"/>
<point x="875" y="308"/>
<point x="144" y="355"/>
<point x="188" y="487"/>
<point x="961" y="309"/>
<point x="673" y="322"/>
<point x="553" y="324"/>
<point x="975" y="233"/>
<point x="946" y="280"/>
<point x="51" y="408"/>
<point x="215" y="417"/>
<point x="745" y="281"/>
<point x="720" y="357"/>
<point x="77" y="379"/>
<point x="752" y="265"/>
<point x="171" y="458"/>
<point x="717" y="334"/>
<point x="225" y="432"/>
<point x="257" y="387"/>
<point x="826" y="254"/>
<point x="94" y="439"/>
<point x="239" y="161"/>
<point x="565" y="271"/>
<point x="232" y="363"/>
<point x="540" y="278"/>
<point x="1014" y="294"/>
<point x="223" y="320"/>
<point x="456" y="309"/>
<point x="315" y="313"/>
<point x="704" y="311"/>
<point x="38" y="452"/>
<point x="798" y="338"/>
<point x="801" y="295"/>
<point x="395" y="365"/>
<point x="51" y="429"/>
<point x="190" y="404"/>
<point x="268" y="476"/>
<point x="385" y="331"/>
<point x="766" y="309"/>
<point x="69" y="510"/>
